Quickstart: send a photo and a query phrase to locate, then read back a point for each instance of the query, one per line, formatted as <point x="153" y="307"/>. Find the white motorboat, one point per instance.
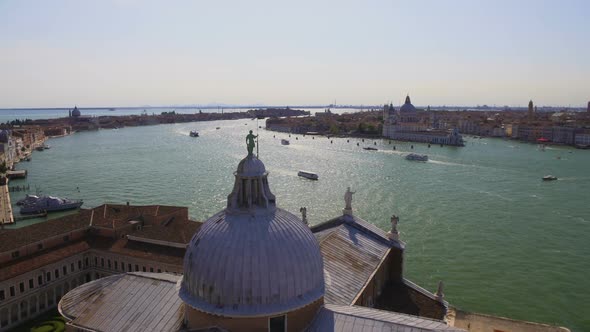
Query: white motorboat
<point x="549" y="178"/>
<point x="417" y="157"/>
<point x="308" y="175"/>
<point x="49" y="204"/>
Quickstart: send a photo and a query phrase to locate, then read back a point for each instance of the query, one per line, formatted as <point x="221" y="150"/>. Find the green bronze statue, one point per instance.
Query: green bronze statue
<point x="250" y="142"/>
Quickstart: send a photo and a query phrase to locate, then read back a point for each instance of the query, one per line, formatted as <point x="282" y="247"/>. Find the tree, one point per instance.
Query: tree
<point x="334" y="130"/>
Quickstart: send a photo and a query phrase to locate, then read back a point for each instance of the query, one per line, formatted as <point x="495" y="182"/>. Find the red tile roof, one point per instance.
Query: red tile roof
<point x="45" y="257"/>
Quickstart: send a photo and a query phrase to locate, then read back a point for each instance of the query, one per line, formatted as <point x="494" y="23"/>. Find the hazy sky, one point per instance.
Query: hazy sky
<point x="130" y="53"/>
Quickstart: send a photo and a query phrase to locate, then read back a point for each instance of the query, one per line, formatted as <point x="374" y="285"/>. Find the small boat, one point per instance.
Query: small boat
<point x="549" y="178"/>
<point x="308" y="175"/>
<point x="285" y="141"/>
<point x="417" y="157"/>
<point x="217" y="127"/>
<point x="194" y="134"/>
<point x="39" y="148"/>
<point x="370" y="149"/>
<point x="46" y="146"/>
<point x="50" y="204"/>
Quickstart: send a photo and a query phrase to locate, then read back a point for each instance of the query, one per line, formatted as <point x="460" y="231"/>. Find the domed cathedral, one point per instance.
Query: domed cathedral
<point x="409" y="124"/>
<point x="75" y="113"/>
<point x="256" y="267"/>
<point x="253" y="266"/>
<point x="395" y="120"/>
<point x="407" y="112"/>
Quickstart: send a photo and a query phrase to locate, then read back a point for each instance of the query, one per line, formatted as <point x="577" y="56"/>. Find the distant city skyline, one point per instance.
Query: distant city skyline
<point x="130" y="53"/>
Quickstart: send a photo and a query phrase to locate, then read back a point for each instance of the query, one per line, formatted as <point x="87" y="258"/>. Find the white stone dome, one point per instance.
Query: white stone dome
<point x="253" y="264"/>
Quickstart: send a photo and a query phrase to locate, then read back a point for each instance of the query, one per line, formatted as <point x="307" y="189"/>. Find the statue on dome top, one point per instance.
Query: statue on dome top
<point x="250" y="144"/>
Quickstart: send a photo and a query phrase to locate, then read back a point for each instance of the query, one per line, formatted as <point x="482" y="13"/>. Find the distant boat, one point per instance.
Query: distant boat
<point x="549" y="178"/>
<point x="39" y="148"/>
<point x="46" y="146"/>
<point x="111" y="109"/>
<point x="308" y="175"/>
<point x="370" y="149"/>
<point x="417" y="157"/>
<point x="194" y="134"/>
<point x="285" y="141"/>
<point x="217" y="127"/>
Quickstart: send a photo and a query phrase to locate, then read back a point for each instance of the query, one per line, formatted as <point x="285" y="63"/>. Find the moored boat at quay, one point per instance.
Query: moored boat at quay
<point x="48" y="204"/>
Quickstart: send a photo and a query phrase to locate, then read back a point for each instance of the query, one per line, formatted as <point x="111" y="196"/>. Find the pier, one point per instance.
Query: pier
<point x="6" y="216"/>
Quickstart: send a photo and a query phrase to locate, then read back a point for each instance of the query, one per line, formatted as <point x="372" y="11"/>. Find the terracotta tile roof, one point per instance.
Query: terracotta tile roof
<point x="45" y="257"/>
<point x="115" y="215"/>
<point x="171" y="230"/>
<point x="14" y="238"/>
<point x="139" y="250"/>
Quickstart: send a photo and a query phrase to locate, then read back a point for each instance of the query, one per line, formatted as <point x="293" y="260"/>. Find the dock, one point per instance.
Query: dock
<point x="6" y="216"/>
<point x="20" y="174"/>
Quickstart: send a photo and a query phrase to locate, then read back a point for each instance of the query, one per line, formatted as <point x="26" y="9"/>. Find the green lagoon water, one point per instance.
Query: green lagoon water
<point x="478" y="217"/>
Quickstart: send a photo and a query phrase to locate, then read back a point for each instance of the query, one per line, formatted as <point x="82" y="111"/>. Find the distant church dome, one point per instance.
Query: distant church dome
<point x="407" y="107"/>
<point x="252" y="259"/>
<point x="76" y="112"/>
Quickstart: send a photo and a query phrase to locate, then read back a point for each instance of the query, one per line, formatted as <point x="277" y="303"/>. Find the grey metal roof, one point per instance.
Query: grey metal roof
<point x="353" y="250"/>
<point x="262" y="262"/>
<point x="362" y="225"/>
<point x="353" y="318"/>
<point x="126" y="302"/>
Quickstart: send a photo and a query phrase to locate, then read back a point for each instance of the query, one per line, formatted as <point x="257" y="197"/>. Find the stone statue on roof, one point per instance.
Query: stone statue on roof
<point x="303" y="211"/>
<point x="250" y="144"/>
<point x="393" y="234"/>
<point x="348" y="199"/>
<point x="394" y="222"/>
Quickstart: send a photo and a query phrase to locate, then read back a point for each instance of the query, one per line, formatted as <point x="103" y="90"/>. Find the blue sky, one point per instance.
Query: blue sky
<point x="130" y="53"/>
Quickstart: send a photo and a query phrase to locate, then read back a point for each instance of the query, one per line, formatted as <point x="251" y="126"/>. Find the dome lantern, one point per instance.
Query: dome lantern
<point x="251" y="189"/>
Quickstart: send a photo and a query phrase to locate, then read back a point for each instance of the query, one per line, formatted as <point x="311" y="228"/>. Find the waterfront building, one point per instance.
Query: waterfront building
<point x="582" y="138"/>
<point x="588" y="107"/>
<point x="406" y="124"/>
